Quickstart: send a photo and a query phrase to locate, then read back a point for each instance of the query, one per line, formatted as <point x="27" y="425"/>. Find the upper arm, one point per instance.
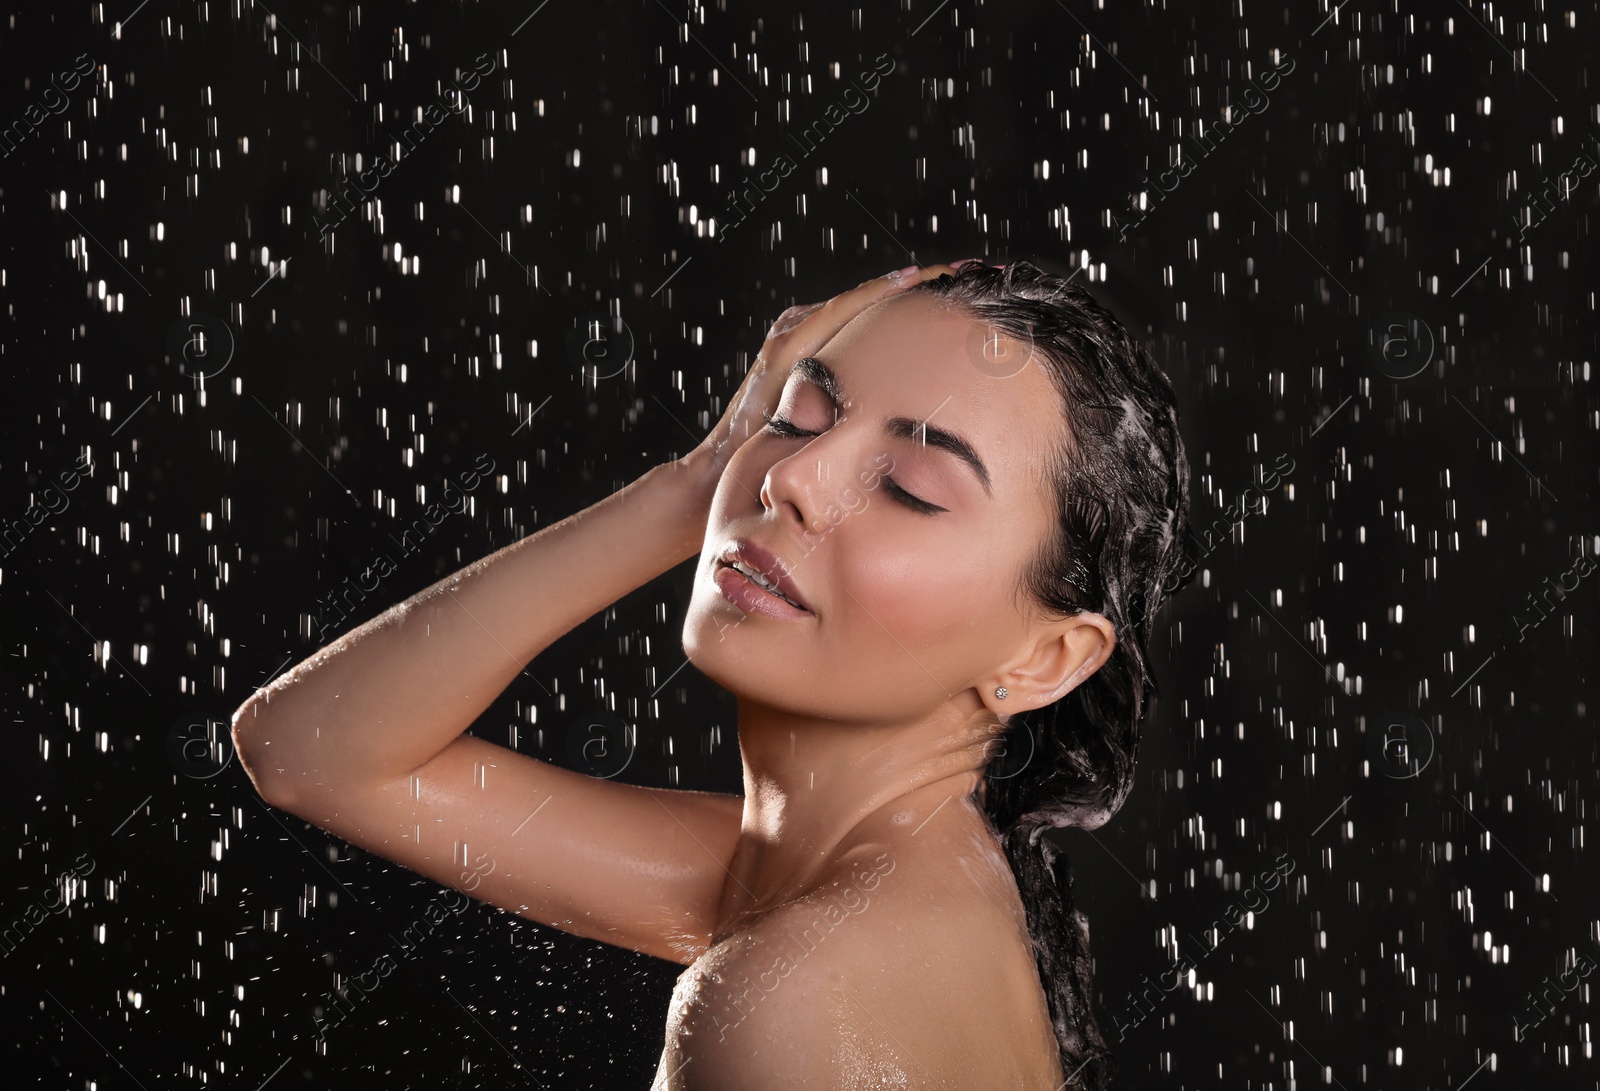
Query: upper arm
<point x="642" y="868"/>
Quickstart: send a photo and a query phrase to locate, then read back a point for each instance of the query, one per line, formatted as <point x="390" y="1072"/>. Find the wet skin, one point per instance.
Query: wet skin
<point x="862" y="724"/>
<point x="856" y="851"/>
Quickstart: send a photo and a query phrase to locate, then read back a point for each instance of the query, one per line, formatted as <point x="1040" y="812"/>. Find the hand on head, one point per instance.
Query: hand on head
<point x="798" y="332"/>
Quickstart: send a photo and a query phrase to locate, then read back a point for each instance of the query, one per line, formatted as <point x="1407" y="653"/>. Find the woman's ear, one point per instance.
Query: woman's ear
<point x="1065" y="654"/>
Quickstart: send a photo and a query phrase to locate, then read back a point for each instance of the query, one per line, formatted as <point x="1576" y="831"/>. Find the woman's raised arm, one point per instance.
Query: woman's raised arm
<point x="385" y="698"/>
<point x="366" y="738"/>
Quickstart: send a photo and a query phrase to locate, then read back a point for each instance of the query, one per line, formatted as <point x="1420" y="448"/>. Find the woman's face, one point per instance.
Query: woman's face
<point x="906" y="555"/>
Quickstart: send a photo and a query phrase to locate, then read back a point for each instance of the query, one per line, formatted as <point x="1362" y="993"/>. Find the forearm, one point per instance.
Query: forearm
<point x="388" y="696"/>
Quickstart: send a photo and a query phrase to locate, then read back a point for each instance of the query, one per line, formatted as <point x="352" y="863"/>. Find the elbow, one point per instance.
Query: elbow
<point x="251" y="742"/>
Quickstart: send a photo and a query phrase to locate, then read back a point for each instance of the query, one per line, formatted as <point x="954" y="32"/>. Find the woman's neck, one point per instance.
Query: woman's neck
<point x="815" y="790"/>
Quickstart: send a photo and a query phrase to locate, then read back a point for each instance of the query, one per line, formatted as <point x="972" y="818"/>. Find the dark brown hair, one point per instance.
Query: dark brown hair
<point x="1121" y="486"/>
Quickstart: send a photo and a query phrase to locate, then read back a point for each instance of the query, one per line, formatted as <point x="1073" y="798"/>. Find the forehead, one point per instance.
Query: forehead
<point x="920" y="357"/>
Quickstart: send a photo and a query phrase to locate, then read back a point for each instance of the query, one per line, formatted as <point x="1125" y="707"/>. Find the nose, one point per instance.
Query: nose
<point x="786" y="487"/>
<point x="802" y="486"/>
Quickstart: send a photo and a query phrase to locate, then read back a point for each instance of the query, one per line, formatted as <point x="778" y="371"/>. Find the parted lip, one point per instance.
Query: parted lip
<point x="764" y="561"/>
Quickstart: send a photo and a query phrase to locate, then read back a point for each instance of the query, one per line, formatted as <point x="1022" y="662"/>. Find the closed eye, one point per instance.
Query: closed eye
<point x="922" y="507"/>
<point x="787" y="429"/>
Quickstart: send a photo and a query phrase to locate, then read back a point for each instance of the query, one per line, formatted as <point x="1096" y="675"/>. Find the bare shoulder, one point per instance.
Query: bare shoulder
<point x="889" y="974"/>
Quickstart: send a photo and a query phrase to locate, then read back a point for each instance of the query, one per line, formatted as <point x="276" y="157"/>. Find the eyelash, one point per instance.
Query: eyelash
<point x="785" y="428"/>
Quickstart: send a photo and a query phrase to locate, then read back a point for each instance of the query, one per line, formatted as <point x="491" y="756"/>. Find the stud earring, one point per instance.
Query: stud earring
<point x="1000" y="692"/>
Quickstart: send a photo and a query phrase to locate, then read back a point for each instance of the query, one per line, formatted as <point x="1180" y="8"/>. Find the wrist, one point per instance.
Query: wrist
<point x="696" y="475"/>
<point x="688" y="483"/>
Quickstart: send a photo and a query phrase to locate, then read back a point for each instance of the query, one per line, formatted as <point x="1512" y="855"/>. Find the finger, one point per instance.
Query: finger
<point x="824" y="323"/>
<point x="792" y="317"/>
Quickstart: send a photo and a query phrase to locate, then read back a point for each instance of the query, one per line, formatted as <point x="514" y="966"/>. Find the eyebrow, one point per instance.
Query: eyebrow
<point x="816" y="372"/>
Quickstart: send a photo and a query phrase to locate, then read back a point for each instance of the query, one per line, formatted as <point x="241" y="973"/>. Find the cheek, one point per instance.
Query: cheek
<point x="735" y="490"/>
<point x="738" y="492"/>
<point x="925" y="591"/>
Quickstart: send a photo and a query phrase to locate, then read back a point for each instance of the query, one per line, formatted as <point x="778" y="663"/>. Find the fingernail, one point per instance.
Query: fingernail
<point x="900" y="274"/>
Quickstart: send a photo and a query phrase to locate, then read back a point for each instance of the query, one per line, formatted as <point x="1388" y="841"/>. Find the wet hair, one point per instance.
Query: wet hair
<point x="1120" y="483"/>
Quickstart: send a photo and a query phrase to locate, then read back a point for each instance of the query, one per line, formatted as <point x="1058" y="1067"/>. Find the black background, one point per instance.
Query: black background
<point x="1312" y="255"/>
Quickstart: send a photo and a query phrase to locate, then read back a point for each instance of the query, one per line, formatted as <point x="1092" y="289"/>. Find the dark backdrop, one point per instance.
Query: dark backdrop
<point x="1364" y="251"/>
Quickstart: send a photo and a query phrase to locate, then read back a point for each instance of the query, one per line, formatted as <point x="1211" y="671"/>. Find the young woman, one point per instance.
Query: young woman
<point x="945" y="497"/>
